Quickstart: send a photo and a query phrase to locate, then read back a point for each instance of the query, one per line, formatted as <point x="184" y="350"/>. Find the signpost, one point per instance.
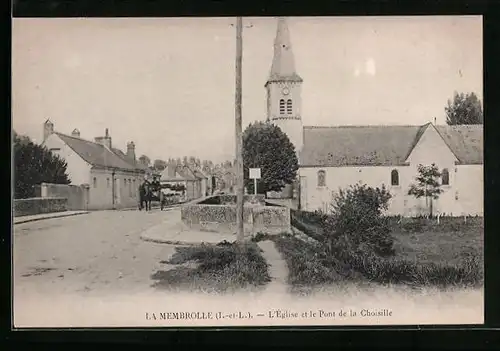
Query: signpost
<point x="254" y="174"/>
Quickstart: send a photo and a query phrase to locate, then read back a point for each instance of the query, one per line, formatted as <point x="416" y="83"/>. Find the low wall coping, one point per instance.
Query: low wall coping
<point x="42" y="198"/>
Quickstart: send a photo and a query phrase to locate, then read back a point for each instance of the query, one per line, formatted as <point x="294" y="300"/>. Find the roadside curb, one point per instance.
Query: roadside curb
<point x="49" y="217"/>
<point x="156" y="240"/>
<point x="168" y="242"/>
<point x="152" y="207"/>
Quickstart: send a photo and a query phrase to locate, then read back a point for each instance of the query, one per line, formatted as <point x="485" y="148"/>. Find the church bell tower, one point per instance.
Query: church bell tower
<point x="284" y="87"/>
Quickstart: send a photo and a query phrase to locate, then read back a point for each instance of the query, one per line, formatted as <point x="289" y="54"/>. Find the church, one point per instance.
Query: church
<point x="335" y="157"/>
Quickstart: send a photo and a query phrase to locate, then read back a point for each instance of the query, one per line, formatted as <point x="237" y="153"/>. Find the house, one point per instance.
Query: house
<point x="224" y="177"/>
<point x="176" y="173"/>
<point x="113" y="176"/>
<point x="337" y="157"/>
<point x="202" y="179"/>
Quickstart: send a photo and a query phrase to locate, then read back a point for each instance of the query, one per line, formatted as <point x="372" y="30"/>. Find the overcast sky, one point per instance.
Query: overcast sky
<point x="168" y="84"/>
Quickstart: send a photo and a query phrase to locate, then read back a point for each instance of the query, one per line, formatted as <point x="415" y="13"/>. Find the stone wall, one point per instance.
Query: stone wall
<point x="77" y="195"/>
<point x="222" y="218"/>
<point x="38" y="205"/>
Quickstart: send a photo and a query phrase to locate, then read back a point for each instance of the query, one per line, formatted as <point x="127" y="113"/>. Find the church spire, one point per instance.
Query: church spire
<point x="283" y="66"/>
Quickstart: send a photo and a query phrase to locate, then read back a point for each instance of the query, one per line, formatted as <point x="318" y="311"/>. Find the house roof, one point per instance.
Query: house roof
<point x="382" y="145"/>
<point x="177" y="173"/>
<point x="198" y="173"/>
<point x="97" y="154"/>
<point x="124" y="157"/>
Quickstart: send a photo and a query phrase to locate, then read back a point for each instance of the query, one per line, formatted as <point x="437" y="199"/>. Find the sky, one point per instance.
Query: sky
<point x="168" y="84"/>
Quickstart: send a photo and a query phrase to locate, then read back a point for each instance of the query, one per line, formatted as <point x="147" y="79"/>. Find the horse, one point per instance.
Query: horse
<point x="145" y="196"/>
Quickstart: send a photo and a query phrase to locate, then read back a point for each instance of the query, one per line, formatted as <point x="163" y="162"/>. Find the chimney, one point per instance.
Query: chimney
<point x="75" y="133"/>
<point x="105" y="140"/>
<point x="48" y="128"/>
<point x="434" y="120"/>
<point x="131" y="150"/>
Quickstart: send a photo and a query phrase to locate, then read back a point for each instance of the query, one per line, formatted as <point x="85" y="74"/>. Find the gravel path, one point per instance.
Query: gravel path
<point x="278" y="269"/>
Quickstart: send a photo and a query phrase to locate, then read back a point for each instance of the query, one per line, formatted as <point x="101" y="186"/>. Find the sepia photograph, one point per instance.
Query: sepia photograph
<point x="247" y="171"/>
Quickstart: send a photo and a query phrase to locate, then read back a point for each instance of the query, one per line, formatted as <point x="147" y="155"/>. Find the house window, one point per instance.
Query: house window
<point x="289" y="106"/>
<point x="445" y="177"/>
<point x="107" y="182"/>
<point x="282" y="107"/>
<point x="321" y="178"/>
<point x="394" y="177"/>
<point x="95" y="182"/>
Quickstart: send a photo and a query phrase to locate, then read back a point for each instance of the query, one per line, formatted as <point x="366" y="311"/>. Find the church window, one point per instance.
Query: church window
<point x="321" y="178"/>
<point x="282" y="107"/>
<point x="445" y="177"/>
<point x="107" y="182"/>
<point x="289" y="106"/>
<point x="95" y="182"/>
<point x="394" y="177"/>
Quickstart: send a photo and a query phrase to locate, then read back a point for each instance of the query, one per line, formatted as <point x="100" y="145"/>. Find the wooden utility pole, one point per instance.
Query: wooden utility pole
<point x="239" y="140"/>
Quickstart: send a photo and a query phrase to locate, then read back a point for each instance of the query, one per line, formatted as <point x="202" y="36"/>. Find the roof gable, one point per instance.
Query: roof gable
<point x="95" y="154"/>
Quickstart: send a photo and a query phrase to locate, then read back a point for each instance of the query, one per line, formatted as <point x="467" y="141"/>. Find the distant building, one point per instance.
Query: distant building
<point x="193" y="180"/>
<point x="337" y="157"/>
<point x="112" y="175"/>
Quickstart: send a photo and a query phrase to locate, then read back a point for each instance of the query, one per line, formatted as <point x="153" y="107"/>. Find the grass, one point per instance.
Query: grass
<point x="442" y="256"/>
<point x="440" y="246"/>
<point x="214" y="268"/>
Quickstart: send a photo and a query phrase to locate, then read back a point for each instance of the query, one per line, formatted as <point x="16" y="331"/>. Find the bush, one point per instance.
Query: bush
<point x="356" y="223"/>
<point x="220" y="267"/>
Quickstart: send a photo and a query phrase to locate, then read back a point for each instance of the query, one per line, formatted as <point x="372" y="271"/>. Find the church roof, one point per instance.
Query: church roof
<point x="283" y="66"/>
<point x="383" y="145"/>
<point x="466" y="142"/>
<point x="98" y="155"/>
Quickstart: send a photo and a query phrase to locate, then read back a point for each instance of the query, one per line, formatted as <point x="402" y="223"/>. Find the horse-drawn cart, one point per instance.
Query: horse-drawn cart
<point x="150" y="192"/>
<point x="162" y="193"/>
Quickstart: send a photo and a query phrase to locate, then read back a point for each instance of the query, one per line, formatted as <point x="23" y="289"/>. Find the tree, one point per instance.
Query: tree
<point x="266" y="147"/>
<point x="465" y="109"/>
<point x="160" y="165"/>
<point x="35" y="164"/>
<point x="427" y="185"/>
<point x="146" y="161"/>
